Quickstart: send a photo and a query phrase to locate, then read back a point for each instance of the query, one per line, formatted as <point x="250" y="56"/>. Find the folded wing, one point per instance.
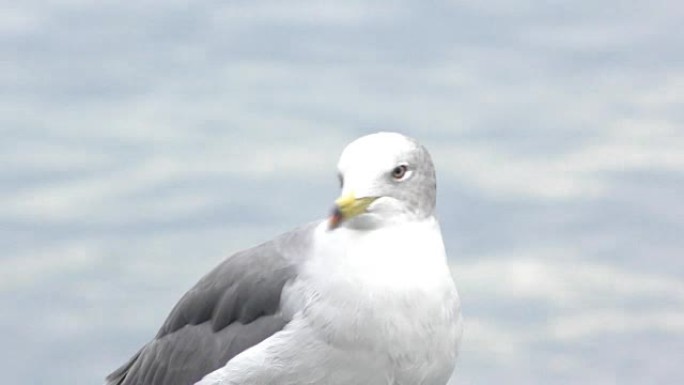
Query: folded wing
<point x="234" y="307"/>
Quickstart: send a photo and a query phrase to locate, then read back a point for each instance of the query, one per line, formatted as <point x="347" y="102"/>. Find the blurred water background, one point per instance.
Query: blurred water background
<point x="142" y="142"/>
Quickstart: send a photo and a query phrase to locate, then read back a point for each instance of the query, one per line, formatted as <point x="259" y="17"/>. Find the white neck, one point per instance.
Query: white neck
<point x="398" y="256"/>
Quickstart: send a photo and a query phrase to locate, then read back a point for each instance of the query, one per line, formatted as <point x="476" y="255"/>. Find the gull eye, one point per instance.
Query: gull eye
<point x="399" y="172"/>
<point x="340" y="178"/>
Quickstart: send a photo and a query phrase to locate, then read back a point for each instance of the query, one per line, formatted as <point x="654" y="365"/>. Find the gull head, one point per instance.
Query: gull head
<point x="385" y="178"/>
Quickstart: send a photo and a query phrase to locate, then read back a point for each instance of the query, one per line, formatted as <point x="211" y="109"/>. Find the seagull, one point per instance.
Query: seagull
<point x="362" y="297"/>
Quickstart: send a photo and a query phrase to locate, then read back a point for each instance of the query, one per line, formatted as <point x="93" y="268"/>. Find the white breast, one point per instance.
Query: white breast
<point x="387" y="291"/>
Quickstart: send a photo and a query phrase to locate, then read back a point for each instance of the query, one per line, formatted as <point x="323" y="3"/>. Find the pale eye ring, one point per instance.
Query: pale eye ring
<point x="399" y="172"/>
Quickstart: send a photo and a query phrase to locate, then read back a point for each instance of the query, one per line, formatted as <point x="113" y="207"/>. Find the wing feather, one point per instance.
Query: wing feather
<point x="233" y="307"/>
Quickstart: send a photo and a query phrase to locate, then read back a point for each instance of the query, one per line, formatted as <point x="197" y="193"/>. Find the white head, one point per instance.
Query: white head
<point x="385" y="177"/>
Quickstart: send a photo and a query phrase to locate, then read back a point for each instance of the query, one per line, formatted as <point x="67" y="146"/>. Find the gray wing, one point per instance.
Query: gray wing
<point x="235" y="306"/>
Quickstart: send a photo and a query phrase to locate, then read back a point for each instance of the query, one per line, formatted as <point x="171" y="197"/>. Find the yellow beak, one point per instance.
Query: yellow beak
<point x="348" y="206"/>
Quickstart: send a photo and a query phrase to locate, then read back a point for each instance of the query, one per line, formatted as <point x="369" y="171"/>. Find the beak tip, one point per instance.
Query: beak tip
<point x="335" y="219"/>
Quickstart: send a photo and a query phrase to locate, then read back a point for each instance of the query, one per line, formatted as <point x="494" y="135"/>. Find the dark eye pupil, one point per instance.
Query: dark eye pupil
<point x="399" y="172"/>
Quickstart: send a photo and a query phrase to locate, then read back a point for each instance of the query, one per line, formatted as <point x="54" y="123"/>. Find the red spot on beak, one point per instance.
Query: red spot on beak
<point x="335" y="219"/>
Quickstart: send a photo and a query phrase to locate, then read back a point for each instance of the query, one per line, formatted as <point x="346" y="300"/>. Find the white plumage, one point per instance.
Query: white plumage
<point x="373" y="302"/>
